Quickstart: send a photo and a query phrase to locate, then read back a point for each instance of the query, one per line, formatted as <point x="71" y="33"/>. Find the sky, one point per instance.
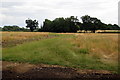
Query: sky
<point x="15" y="12"/>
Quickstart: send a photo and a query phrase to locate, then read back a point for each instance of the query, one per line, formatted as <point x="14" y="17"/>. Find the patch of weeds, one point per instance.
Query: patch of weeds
<point x="84" y="51"/>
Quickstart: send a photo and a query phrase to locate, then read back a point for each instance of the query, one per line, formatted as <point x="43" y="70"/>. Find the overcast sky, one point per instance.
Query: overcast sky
<point x="14" y="12"/>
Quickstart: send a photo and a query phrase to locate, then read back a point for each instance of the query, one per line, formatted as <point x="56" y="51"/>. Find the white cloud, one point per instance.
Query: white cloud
<point x="16" y="11"/>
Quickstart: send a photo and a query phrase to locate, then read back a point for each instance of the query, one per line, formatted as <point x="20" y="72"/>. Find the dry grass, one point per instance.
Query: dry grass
<point x="20" y="35"/>
<point x="103" y="46"/>
<point x="13" y="38"/>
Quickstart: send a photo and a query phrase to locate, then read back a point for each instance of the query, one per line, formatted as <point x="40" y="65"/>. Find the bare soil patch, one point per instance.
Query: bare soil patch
<point x="14" y="71"/>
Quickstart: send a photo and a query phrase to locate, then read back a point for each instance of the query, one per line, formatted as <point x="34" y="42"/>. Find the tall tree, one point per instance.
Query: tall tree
<point x="72" y="23"/>
<point x="32" y="24"/>
<point x="86" y="22"/>
<point x="95" y="24"/>
<point x="46" y="25"/>
<point x="61" y="24"/>
<point x="91" y="23"/>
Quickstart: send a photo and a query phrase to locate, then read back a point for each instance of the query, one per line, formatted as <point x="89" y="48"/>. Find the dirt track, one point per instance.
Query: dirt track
<point x="15" y="71"/>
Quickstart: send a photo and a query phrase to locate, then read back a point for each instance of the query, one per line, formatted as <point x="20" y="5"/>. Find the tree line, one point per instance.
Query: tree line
<point x="72" y="24"/>
<point x="14" y="28"/>
<point x="69" y="24"/>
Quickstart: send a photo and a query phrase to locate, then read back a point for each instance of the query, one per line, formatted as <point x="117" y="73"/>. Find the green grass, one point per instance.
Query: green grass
<point x="55" y="51"/>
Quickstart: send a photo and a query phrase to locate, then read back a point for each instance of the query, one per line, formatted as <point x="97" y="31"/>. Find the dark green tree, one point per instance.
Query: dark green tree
<point x="32" y="24"/>
<point x="11" y="28"/>
<point x="72" y="22"/>
<point x="95" y="24"/>
<point x="110" y="27"/>
<point x="46" y="26"/>
<point x="91" y="23"/>
<point x="61" y="25"/>
<point x="86" y="22"/>
<point x="116" y="27"/>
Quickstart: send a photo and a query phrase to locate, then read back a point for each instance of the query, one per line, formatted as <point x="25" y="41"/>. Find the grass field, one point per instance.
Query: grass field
<point x="85" y="51"/>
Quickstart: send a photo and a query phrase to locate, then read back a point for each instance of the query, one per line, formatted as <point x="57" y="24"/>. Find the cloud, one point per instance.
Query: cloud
<point x="17" y="11"/>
